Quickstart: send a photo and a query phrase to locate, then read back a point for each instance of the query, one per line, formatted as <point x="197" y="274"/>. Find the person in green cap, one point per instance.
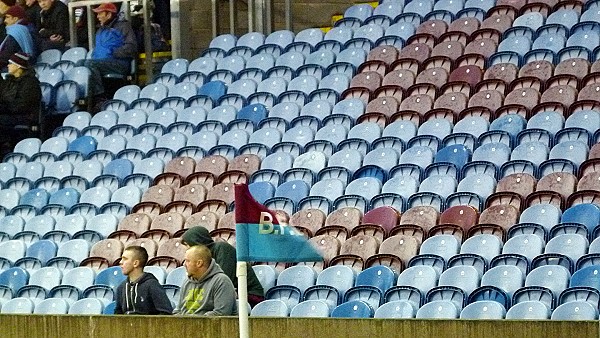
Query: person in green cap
<point x="224" y="254"/>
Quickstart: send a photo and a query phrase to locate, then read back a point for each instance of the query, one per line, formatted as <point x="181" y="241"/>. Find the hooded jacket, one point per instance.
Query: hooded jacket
<point x="18" y="39"/>
<point x="145" y="296"/>
<point x="225" y="255"/>
<point x="212" y="294"/>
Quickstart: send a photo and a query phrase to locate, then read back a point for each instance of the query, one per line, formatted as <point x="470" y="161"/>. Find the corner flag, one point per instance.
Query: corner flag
<point x="260" y="237"/>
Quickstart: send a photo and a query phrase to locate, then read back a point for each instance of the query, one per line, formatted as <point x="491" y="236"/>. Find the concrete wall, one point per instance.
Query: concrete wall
<point x="53" y="326"/>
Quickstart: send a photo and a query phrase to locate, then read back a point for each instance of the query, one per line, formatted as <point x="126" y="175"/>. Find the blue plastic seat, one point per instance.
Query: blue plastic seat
<point x="456" y="154"/>
<point x="37" y="198"/>
<point x="546" y="215"/>
<point x="270" y="308"/>
<point x="87" y="306"/>
<point x="110" y="276"/>
<point x="549" y="41"/>
<point x="403" y="30"/>
<point x="497" y="153"/>
<point x="483" y="310"/>
<point x="14" y="278"/>
<point x="585" y="213"/>
<point x="75" y="249"/>
<point x="213" y="89"/>
<point x="422" y="7"/>
<point x="353" y="55"/>
<point x="311" y="308"/>
<point x="340" y="34"/>
<point x="19" y="305"/>
<point x="585" y="277"/>
<point x="251" y="39"/>
<point x="440" y="309"/>
<point x="353" y="309"/>
<point x="204" y="65"/>
<point x="575" y="310"/>
<point x="28" y="146"/>
<point x="505" y="277"/>
<point x="103" y="292"/>
<point x="584" y="34"/>
<point x="84" y="145"/>
<point x="443" y="245"/>
<point x="554" y="277"/>
<point x="390" y="9"/>
<point x="587" y="119"/>
<point x="574" y="151"/>
<point x="224" y="42"/>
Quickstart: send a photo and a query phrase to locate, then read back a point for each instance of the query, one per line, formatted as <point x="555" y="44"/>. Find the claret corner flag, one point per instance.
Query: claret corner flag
<point x="260" y="237"/>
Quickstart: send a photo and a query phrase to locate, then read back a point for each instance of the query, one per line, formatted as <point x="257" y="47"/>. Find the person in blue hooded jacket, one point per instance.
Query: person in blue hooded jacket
<point x="114" y="49"/>
<point x="18" y="37"/>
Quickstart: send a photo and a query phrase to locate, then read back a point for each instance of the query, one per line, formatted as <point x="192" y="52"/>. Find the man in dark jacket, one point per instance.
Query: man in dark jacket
<point x="140" y="293"/>
<point x="54" y="24"/>
<point x="20" y="101"/>
<point x="115" y="47"/>
<point x="32" y="9"/>
<point x="225" y="255"/>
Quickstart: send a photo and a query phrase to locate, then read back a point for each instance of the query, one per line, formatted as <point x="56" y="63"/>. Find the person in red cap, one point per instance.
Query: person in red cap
<point x="18" y="37"/>
<point x="54" y="24"/>
<point x="113" y="52"/>
<point x="20" y="101"/>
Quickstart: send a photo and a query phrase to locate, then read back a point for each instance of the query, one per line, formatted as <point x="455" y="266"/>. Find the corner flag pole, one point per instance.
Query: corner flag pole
<point x="242" y="275"/>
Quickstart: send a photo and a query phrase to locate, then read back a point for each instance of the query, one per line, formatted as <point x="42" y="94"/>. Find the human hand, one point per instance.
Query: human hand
<point x="56" y="37"/>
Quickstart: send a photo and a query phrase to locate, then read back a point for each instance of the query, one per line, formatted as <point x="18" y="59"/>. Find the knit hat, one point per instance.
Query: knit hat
<point x="106" y="7"/>
<point x="20" y="59"/>
<point x="8" y="2"/>
<point x="16" y="12"/>
<point x="197" y="235"/>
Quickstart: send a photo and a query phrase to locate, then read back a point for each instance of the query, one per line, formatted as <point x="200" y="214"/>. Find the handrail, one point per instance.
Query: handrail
<point x="265" y="8"/>
<point x="91" y="22"/>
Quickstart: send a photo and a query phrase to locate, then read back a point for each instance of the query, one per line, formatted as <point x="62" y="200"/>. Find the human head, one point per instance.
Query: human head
<point x="18" y="63"/>
<point x="13" y="15"/>
<point x="133" y="258"/>
<point x="5" y="5"/>
<point x="105" y="12"/>
<point x="197" y="261"/>
<point x="45" y="4"/>
<point x="195" y="236"/>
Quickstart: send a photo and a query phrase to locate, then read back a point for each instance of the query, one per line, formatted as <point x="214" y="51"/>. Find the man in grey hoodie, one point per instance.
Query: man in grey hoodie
<point x="207" y="291"/>
<point x="225" y="255"/>
<point x="140" y="293"/>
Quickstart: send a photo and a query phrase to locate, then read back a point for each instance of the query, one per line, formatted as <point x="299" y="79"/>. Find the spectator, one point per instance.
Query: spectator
<point x="207" y="291"/>
<point x="32" y="8"/>
<point x="18" y="38"/>
<point x="20" y="101"/>
<point x="115" y="48"/>
<point x="225" y="255"/>
<point x="4" y="6"/>
<point x="140" y="293"/>
<point x="54" y="24"/>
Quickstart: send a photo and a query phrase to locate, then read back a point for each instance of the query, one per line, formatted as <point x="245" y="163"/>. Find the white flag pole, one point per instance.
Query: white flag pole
<point x="242" y="275"/>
